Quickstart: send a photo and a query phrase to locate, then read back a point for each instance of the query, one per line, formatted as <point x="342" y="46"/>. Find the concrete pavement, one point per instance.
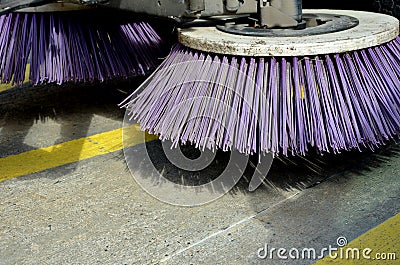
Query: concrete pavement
<point x="92" y="211"/>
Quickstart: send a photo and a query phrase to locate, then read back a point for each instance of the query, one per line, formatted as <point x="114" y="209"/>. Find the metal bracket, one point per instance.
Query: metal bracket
<point x="272" y="17"/>
<point x="93" y="2"/>
<point x="280" y="13"/>
<point x="8" y="6"/>
<point x="186" y="8"/>
<point x="13" y="5"/>
<point x="196" y="6"/>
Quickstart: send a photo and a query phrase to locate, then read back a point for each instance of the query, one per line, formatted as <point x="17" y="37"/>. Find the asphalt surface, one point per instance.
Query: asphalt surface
<point x="93" y="211"/>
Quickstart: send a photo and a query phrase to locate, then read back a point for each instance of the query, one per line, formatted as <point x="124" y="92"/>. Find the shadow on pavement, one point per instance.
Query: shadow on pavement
<point x="287" y="173"/>
<point x="71" y="107"/>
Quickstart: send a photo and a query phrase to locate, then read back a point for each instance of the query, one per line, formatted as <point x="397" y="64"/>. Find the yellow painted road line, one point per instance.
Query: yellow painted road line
<point x="381" y="245"/>
<point x="4" y="87"/>
<point x="69" y="152"/>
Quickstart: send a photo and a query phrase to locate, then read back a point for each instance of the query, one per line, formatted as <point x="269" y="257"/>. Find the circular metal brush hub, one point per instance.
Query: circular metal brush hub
<point x="373" y="29"/>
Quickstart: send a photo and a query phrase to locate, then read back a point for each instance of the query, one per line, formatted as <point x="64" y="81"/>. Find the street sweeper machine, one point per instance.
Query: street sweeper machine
<point x="260" y="77"/>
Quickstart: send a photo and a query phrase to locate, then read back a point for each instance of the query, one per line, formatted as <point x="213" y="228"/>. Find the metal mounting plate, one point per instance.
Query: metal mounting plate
<point x="373" y="29"/>
<point x="56" y="7"/>
<point x="328" y="23"/>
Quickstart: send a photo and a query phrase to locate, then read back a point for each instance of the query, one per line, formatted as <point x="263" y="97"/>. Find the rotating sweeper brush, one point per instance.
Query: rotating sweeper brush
<point x="74" y="41"/>
<point x="278" y="81"/>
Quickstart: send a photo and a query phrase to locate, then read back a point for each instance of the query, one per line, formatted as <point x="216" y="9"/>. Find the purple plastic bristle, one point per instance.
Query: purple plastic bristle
<point x="75" y="47"/>
<point x="273" y="105"/>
